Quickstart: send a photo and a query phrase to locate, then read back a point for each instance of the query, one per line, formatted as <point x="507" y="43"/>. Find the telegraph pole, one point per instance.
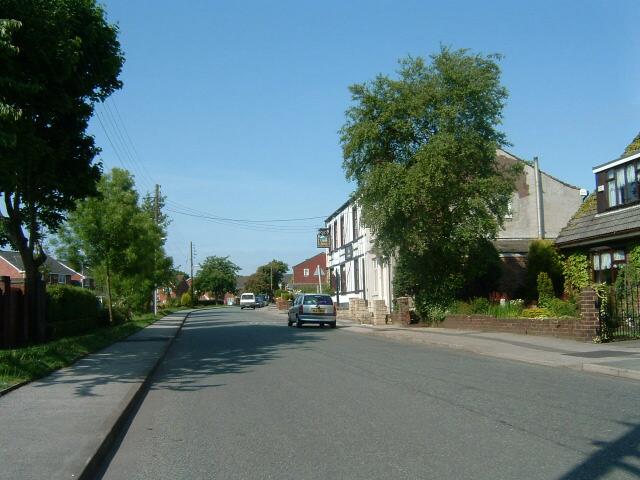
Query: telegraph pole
<point x="155" y="260"/>
<point x="191" y="254"/>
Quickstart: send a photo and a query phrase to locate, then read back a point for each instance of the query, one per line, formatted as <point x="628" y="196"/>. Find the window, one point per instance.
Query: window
<point x="305" y="272"/>
<point x="622" y="184"/>
<point x="343" y="278"/>
<point x="335" y="234"/>
<point x="606" y="263"/>
<point x="354" y="218"/>
<point x="330" y="238"/>
<point x="59" y="279"/>
<point x="317" y="300"/>
<point x="356" y="275"/>
<point x="343" y="232"/>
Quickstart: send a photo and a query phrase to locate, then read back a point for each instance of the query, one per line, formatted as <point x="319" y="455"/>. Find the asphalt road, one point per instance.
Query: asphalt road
<point x="242" y="396"/>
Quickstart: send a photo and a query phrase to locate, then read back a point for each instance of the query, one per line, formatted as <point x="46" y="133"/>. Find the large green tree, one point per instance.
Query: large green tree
<point x="65" y="57"/>
<point x="422" y="150"/>
<point x="8" y="112"/>
<point x="267" y="277"/>
<point x="217" y="275"/>
<point x="120" y="241"/>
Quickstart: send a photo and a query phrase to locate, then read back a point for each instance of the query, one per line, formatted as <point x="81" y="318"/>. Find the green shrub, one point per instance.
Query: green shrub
<point x="481" y="271"/>
<point x="172" y="302"/>
<point x="545" y="289"/>
<point x="536" y="312"/>
<point x="510" y="309"/>
<point x="480" y="305"/>
<point x="71" y="310"/>
<point x="461" y="308"/>
<point x="433" y="313"/>
<point x="185" y="300"/>
<point x="633" y="256"/>
<point x="561" y="308"/>
<point x="575" y="268"/>
<point x="121" y="314"/>
<point x="543" y="257"/>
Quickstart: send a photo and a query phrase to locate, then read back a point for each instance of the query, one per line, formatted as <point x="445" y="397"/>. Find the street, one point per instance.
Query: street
<point x="242" y="396"/>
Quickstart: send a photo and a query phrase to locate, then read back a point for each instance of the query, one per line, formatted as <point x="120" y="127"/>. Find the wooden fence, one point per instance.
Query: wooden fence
<point x="17" y="327"/>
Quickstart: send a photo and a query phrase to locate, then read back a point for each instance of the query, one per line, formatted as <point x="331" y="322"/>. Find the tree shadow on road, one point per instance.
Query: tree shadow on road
<point x="225" y="348"/>
<point x="217" y="344"/>
<point x="618" y="456"/>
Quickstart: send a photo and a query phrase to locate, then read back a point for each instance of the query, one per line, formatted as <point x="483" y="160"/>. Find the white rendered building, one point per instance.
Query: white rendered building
<point x="356" y="269"/>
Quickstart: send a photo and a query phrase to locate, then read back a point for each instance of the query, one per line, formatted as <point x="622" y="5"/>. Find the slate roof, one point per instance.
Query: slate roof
<point x="51" y="264"/>
<point x="590" y="227"/>
<point x="513" y="245"/>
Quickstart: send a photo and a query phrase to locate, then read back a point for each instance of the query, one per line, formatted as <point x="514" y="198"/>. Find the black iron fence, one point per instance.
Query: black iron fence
<point x="620" y="311"/>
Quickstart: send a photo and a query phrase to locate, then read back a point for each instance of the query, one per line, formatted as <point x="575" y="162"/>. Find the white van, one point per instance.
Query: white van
<point x="248" y="300"/>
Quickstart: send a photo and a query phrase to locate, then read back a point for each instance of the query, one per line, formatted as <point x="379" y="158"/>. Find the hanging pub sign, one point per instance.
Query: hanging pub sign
<point x="323" y="238"/>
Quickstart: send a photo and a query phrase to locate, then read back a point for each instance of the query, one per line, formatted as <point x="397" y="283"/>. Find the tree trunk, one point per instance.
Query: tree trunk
<point x="109" y="306"/>
<point x="34" y="314"/>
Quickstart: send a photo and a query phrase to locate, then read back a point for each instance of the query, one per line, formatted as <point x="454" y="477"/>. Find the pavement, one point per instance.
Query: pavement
<point x="63" y="425"/>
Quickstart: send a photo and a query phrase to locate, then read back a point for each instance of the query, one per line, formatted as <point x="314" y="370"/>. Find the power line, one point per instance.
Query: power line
<point x="250" y="226"/>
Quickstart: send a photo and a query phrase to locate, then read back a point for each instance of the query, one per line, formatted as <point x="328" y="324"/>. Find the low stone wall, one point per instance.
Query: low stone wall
<point x="402" y="314"/>
<point x="379" y="312"/>
<point x="358" y="311"/>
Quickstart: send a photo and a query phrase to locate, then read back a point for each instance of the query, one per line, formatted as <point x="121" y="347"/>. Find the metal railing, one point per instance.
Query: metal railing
<point x="621" y="316"/>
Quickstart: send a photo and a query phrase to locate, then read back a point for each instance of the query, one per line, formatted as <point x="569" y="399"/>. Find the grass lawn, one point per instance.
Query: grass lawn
<point x="31" y="362"/>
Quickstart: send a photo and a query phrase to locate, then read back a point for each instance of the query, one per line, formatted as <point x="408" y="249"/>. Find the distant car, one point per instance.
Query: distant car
<point x="247" y="300"/>
<point x="261" y="301"/>
<point x="312" y="308"/>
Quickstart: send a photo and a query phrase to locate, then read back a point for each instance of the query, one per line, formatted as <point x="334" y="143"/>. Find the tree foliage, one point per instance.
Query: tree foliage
<point x="576" y="272"/>
<point x="62" y="59"/>
<point x="217" y="275"/>
<point x="267" y="276"/>
<point x="633" y="146"/>
<point x="422" y="151"/>
<point x="8" y="112"/>
<point x="543" y="257"/>
<point x="119" y="240"/>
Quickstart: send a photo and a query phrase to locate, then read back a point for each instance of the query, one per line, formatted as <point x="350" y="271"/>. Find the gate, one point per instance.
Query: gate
<point x="620" y="311"/>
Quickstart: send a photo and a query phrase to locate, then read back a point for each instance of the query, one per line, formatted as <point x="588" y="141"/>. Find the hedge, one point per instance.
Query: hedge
<point x="71" y="310"/>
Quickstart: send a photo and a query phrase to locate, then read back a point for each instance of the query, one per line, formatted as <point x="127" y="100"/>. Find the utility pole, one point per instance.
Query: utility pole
<point x="271" y="278"/>
<point x="191" y="250"/>
<point x="155" y="255"/>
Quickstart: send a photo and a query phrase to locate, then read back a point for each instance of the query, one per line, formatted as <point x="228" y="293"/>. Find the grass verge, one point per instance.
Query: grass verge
<point x="28" y="363"/>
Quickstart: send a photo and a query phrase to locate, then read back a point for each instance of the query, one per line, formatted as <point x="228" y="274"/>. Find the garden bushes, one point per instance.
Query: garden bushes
<point x="185" y="300"/>
<point x="71" y="310"/>
<point x="543" y="257"/>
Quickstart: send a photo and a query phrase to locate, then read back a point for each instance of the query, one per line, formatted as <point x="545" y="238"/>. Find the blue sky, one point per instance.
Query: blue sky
<point x="234" y="107"/>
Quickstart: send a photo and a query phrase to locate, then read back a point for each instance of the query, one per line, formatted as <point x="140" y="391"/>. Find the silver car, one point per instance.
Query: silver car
<point x="312" y="308"/>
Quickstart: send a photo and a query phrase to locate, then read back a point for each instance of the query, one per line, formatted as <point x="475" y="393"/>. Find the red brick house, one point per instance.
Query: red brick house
<point x="305" y="273"/>
<point x="54" y="271"/>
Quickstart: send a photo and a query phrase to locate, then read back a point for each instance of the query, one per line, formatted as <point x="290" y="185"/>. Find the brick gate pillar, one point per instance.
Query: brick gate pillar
<point x="589" y="317"/>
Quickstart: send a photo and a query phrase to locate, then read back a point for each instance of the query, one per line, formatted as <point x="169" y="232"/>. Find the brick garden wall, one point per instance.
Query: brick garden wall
<point x="551" y="327"/>
<point x="583" y="329"/>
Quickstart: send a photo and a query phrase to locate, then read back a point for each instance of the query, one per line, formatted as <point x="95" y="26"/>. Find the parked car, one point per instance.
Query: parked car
<point x="261" y="301"/>
<point x="312" y="308"/>
<point x="247" y="300"/>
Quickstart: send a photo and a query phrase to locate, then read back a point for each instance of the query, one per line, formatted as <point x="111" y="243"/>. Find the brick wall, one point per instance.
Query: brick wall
<point x="582" y="329"/>
<point x="6" y="269"/>
<point x="310" y="264"/>
<point x="570" y="328"/>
